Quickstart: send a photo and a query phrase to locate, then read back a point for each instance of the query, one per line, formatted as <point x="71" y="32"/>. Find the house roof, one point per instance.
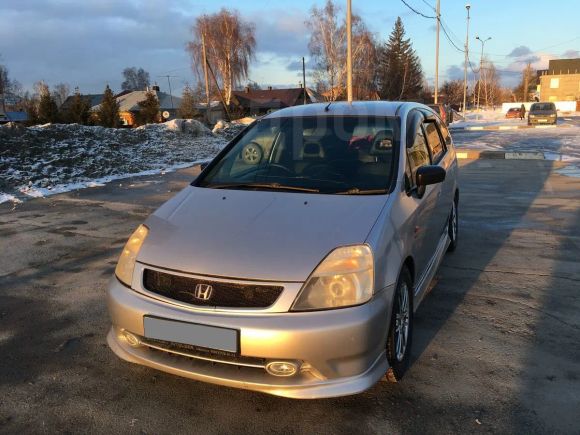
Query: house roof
<point x="269" y="98"/>
<point x="92" y="99"/>
<point x="130" y="102"/>
<point x="13" y="116"/>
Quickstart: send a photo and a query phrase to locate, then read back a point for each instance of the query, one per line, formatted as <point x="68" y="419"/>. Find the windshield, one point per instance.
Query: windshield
<point x="543" y="106"/>
<point x="334" y="155"/>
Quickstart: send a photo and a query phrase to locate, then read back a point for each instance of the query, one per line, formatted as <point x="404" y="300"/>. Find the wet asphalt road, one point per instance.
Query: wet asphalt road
<point x="497" y="344"/>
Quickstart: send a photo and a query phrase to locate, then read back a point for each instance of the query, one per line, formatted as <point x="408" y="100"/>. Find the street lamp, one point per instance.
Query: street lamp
<point x="483" y="41"/>
<point x="467" y="6"/>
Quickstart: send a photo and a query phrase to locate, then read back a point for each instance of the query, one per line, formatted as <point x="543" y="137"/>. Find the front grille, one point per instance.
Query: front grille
<point x="196" y="352"/>
<point x="228" y="295"/>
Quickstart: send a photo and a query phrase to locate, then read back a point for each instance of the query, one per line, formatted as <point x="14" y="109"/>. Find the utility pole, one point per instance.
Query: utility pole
<point x="438" y="13"/>
<point x="206" y="78"/>
<point x="483" y="41"/>
<point x="467" y="6"/>
<point x="304" y="77"/>
<point x="349" y="50"/>
<point x="168" y="77"/>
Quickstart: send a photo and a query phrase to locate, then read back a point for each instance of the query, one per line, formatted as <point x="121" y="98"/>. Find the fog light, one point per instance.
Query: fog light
<point x="131" y="339"/>
<point x="282" y="368"/>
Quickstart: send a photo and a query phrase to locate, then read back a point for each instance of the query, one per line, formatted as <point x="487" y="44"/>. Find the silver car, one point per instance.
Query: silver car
<point x="294" y="263"/>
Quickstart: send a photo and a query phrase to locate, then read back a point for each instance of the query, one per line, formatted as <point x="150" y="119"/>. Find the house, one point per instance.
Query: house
<point x="216" y="111"/>
<point x="17" y="117"/>
<point x="91" y="99"/>
<point x="129" y="105"/>
<point x="561" y="82"/>
<point x="262" y="101"/>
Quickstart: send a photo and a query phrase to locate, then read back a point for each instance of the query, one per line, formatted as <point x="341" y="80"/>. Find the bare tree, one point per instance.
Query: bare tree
<point x="490" y="83"/>
<point x="5" y="86"/>
<point x="135" y="79"/>
<point x="328" y="47"/>
<point x="230" y="44"/>
<point x="60" y="93"/>
<point x="452" y="92"/>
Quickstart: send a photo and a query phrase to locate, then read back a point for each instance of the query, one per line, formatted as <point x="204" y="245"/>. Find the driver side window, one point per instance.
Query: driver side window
<point x="417" y="156"/>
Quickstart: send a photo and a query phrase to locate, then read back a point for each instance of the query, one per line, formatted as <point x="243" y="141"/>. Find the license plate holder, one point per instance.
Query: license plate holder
<point x="194" y="334"/>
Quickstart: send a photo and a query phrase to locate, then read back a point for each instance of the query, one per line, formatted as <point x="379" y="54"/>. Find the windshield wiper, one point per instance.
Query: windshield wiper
<point x="357" y="191"/>
<point x="272" y="186"/>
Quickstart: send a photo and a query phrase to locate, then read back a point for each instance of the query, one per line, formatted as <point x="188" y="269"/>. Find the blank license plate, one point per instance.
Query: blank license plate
<point x="191" y="333"/>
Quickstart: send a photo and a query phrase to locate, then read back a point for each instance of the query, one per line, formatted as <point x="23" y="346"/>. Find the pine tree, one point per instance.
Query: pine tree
<point x="108" y="112"/>
<point x="149" y="109"/>
<point x="400" y="72"/>
<point x="47" y="108"/>
<point x="187" y="108"/>
<point x="79" y="110"/>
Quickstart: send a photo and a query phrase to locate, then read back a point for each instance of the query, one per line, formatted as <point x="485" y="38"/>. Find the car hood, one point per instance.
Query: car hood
<point x="257" y="235"/>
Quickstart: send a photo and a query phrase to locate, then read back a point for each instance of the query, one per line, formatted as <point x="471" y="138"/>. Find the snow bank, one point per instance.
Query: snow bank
<point x="4" y="197"/>
<point x="54" y="158"/>
<point x="188" y="126"/>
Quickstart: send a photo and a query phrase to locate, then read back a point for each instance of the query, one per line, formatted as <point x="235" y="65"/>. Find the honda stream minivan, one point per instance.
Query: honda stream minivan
<point x="293" y="264"/>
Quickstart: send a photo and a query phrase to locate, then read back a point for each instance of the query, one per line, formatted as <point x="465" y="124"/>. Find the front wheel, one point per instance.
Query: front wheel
<point x="453" y="227"/>
<point x="401" y="329"/>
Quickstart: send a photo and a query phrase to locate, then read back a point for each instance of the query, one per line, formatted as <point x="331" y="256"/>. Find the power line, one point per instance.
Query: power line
<point x="449" y="38"/>
<point x="417" y="12"/>
<point x="430" y="5"/>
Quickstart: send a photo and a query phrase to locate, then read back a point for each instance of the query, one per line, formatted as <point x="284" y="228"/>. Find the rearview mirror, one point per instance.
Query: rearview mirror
<point x="430" y="174"/>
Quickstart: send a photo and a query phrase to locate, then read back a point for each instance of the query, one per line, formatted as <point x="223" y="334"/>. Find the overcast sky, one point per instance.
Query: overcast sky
<point x="87" y="43"/>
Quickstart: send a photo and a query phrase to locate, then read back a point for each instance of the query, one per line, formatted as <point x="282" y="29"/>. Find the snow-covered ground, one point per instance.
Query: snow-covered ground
<point x="556" y="144"/>
<point x="490" y="118"/>
<point x="55" y="158"/>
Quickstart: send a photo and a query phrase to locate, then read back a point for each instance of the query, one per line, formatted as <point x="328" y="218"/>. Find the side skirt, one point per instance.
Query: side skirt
<point x="424" y="282"/>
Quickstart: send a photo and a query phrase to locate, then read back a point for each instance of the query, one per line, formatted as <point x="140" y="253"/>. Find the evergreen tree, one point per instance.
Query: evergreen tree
<point x="400" y="72"/>
<point x="78" y="111"/>
<point x="47" y="108"/>
<point x="187" y="108"/>
<point x="149" y="109"/>
<point x="108" y="112"/>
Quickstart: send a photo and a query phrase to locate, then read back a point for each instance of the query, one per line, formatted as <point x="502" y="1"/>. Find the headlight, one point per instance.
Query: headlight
<point x="344" y="278"/>
<point x="126" y="264"/>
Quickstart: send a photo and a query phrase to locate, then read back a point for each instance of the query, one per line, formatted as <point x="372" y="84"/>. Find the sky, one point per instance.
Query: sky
<point x="87" y="43"/>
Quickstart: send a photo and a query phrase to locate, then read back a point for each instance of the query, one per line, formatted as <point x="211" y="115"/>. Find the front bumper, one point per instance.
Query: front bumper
<point x="341" y="351"/>
<point x="542" y="120"/>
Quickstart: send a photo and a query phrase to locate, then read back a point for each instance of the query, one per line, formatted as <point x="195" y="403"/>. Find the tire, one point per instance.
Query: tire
<point x="401" y="317"/>
<point x="453" y="226"/>
<point x="252" y="153"/>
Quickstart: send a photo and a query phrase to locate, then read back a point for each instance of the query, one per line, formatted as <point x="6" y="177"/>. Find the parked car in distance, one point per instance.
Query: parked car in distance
<point x="294" y="263"/>
<point x="445" y="113"/>
<point x="542" y="113"/>
<point x="514" y="112"/>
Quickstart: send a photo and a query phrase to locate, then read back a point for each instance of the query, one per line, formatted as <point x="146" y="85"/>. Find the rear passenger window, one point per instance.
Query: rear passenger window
<point x="446" y="135"/>
<point x="434" y="140"/>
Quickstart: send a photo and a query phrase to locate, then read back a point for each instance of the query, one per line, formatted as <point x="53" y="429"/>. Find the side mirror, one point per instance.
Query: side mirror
<point x="430" y="174"/>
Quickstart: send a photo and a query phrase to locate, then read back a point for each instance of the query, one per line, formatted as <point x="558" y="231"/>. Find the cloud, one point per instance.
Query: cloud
<point x="571" y="54"/>
<point x="88" y="43"/>
<point x="522" y="50"/>
<point x="297" y="65"/>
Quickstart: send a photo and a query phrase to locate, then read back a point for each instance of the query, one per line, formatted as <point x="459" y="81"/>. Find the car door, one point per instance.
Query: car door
<point x="424" y="199"/>
<point x="444" y="190"/>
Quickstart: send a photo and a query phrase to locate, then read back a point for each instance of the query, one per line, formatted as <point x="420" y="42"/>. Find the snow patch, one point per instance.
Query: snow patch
<point x="5" y="197"/>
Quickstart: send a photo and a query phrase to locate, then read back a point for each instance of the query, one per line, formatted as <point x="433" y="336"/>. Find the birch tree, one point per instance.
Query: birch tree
<point x="230" y="44"/>
<point x="328" y="47"/>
